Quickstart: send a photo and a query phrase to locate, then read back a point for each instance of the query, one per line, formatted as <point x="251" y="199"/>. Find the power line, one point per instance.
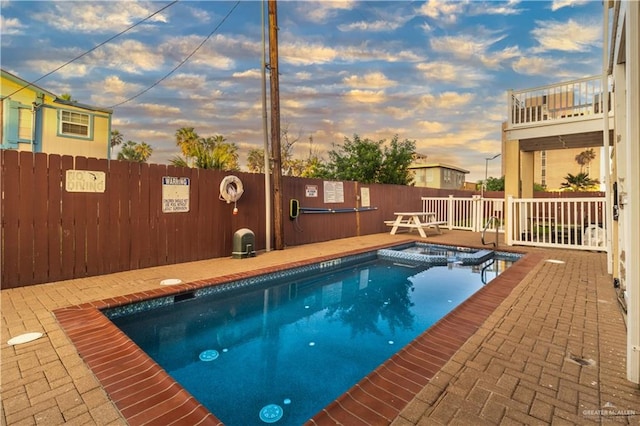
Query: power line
<point x="183" y="61"/>
<point x="94" y="48"/>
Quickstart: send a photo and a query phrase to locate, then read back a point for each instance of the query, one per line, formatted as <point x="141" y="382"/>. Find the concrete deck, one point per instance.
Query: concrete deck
<point x="552" y="353"/>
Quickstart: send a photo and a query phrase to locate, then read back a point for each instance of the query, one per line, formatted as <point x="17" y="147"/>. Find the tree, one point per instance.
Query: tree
<point x="492" y="184"/>
<point x="67" y="97"/>
<point x="364" y="160"/>
<point x="585" y="158"/>
<point x="255" y="160"/>
<point x="579" y="182"/>
<point x="187" y="139"/>
<point x="358" y="160"/>
<point x="290" y="166"/>
<point x="116" y="138"/>
<point x="395" y="166"/>
<point x="134" y="151"/>
<point x="205" y="153"/>
<point x="497" y="184"/>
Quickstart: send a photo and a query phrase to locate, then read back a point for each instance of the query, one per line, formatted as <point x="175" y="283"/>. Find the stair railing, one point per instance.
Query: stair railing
<point x="486" y="226"/>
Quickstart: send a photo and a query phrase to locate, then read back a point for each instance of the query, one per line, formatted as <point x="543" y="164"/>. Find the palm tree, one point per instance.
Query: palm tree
<point x="187" y="139"/>
<point x="585" y="158"/>
<point x="116" y="138"/>
<point x="205" y="153"/>
<point x="67" y="97"/>
<point x="134" y="151"/>
<point x="143" y="151"/>
<point x="179" y="161"/>
<point x="579" y="182"/>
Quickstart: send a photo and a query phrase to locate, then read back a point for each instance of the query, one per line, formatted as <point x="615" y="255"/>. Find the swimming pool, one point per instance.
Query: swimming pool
<point x="263" y="333"/>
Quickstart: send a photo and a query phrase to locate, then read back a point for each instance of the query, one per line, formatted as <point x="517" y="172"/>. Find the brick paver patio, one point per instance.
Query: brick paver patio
<point x="552" y="353"/>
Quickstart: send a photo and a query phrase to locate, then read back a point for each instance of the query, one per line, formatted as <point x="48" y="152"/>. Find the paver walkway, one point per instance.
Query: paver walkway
<point x="552" y="353"/>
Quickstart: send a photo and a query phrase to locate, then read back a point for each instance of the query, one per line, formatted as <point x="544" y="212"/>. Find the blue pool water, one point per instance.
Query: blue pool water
<point x="278" y="352"/>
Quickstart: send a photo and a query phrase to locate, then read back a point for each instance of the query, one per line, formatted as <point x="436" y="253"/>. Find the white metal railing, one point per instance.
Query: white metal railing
<point x="562" y="101"/>
<point x="577" y="223"/>
<point x="468" y="213"/>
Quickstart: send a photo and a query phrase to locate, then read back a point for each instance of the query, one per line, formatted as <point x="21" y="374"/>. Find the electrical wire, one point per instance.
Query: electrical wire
<point x="183" y="61"/>
<point x="95" y="47"/>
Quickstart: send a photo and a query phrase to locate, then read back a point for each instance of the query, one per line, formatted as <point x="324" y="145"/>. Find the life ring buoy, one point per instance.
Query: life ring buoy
<point x="231" y="189"/>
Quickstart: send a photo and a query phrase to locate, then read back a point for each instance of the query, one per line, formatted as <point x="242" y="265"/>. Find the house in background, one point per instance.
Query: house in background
<point x="36" y="120"/>
<point x="438" y="175"/>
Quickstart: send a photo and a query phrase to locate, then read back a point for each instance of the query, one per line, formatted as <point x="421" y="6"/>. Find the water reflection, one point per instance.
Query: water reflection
<point x="377" y="301"/>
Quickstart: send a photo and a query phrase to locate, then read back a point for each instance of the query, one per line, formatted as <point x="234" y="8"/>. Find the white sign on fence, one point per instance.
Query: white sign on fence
<point x="333" y="192"/>
<point x="85" y="181"/>
<point x="175" y="194"/>
<point x="365" y="201"/>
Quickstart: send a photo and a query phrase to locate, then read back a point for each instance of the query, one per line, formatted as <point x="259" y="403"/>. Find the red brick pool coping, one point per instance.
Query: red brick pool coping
<point x="146" y="395"/>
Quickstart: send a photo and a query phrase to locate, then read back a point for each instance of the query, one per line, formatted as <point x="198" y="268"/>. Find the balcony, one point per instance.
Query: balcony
<point x="562" y="115"/>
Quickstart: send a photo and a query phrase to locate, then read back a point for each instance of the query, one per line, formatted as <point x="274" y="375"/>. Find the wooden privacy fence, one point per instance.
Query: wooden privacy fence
<point x="51" y="233"/>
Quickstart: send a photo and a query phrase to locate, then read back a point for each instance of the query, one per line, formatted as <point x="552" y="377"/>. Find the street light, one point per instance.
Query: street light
<point x="486" y="169"/>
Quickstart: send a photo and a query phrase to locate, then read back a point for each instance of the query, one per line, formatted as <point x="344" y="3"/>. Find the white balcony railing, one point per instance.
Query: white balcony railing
<point x="567" y="101"/>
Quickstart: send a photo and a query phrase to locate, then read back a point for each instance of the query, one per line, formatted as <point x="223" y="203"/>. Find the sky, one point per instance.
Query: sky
<point x="435" y="72"/>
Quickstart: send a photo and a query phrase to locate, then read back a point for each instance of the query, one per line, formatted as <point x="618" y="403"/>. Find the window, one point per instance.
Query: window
<point x="447" y="175"/>
<point x="74" y="123"/>
<point x="25" y="121"/>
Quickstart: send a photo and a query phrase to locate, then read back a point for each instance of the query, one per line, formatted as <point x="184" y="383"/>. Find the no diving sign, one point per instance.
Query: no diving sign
<point x="175" y="194"/>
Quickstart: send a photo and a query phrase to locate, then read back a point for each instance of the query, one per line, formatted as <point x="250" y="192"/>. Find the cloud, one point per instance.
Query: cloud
<point x="570" y="36"/>
<point x="111" y="90"/>
<point x="250" y="74"/>
<point x="448" y="72"/>
<point x="186" y="82"/>
<point x="386" y="22"/>
<point x="301" y="53"/>
<point x="211" y="54"/>
<point x="559" y="4"/>
<point x="495" y="8"/>
<point x="11" y="26"/>
<point x="366" y="96"/>
<point x="433" y="126"/>
<point x="454" y="100"/>
<point x="200" y="15"/>
<point x="443" y="11"/>
<point x="322" y="11"/>
<point x="370" y="80"/>
<point x="131" y="56"/>
<point x="101" y="17"/>
<point x="371" y="26"/>
<point x="73" y="70"/>
<point x="158" y="110"/>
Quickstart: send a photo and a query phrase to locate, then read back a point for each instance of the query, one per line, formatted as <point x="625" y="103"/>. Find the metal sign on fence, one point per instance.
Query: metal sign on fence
<point x="175" y="194"/>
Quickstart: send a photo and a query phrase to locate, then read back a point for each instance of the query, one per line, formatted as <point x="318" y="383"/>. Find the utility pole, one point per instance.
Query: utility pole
<point x="275" y="126"/>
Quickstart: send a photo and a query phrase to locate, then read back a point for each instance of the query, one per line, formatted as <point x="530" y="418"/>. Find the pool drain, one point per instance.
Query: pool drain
<point x="271" y="413"/>
<point x="209" y="355"/>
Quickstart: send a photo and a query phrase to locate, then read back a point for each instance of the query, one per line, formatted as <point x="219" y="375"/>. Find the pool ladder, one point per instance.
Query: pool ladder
<point x="486" y="226"/>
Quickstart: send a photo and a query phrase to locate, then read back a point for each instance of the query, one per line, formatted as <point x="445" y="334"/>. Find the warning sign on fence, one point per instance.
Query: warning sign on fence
<point x="175" y="194"/>
<point x="85" y="181"/>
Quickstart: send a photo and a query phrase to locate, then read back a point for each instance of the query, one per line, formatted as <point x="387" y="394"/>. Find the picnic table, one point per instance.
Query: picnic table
<point x="416" y="220"/>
